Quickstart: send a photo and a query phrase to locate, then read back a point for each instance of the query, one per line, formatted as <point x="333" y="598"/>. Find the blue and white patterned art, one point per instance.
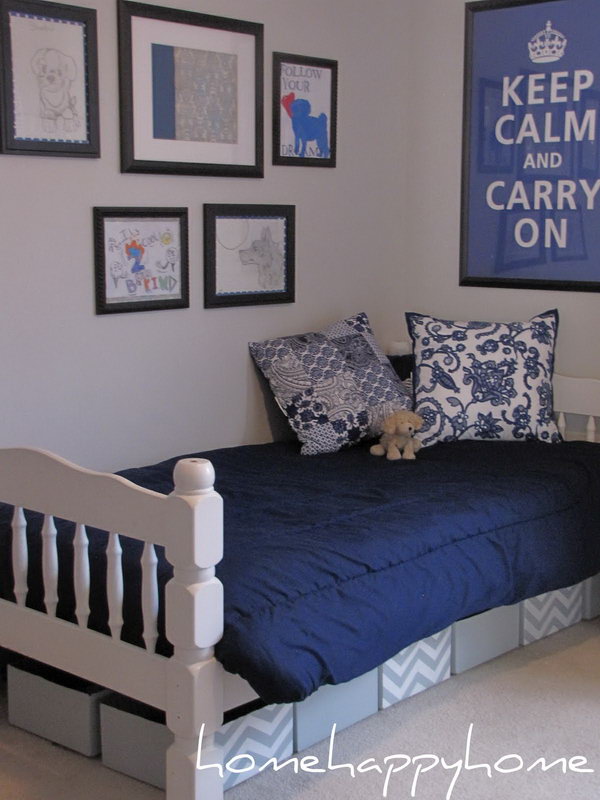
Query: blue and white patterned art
<point x="194" y="95"/>
<point x="484" y="380"/>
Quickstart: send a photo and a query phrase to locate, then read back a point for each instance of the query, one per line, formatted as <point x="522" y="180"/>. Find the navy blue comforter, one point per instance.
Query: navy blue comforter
<point x="334" y="563"/>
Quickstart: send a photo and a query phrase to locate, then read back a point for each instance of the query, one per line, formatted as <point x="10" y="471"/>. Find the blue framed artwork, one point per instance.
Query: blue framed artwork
<point x="304" y="111"/>
<point x="530" y="207"/>
<point x="191" y="89"/>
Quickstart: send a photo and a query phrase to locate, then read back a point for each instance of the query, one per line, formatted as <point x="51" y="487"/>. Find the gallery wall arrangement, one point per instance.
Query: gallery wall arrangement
<point x="191" y="103"/>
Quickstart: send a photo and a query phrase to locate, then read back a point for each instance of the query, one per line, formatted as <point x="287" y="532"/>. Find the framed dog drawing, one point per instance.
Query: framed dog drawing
<point x="248" y="255"/>
<point x="49" y="69"/>
<point x="304" y="111"/>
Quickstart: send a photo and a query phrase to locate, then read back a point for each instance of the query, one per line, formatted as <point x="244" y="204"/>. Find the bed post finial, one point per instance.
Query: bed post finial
<point x="193" y="476"/>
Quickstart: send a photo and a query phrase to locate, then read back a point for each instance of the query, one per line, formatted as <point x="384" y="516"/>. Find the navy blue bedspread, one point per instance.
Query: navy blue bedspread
<point x="334" y="563"/>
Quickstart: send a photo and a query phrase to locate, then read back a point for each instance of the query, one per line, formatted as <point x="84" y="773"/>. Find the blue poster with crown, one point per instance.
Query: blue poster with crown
<point x="531" y="152"/>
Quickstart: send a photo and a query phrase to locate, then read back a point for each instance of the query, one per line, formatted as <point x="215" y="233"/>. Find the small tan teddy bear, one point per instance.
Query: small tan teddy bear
<point x="397" y="438"/>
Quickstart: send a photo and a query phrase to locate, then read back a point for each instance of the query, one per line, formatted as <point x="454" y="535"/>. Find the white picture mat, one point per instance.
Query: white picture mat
<point x="235" y="234"/>
<point x="145" y="33"/>
<point x="158" y="236"/>
<point x="28" y="36"/>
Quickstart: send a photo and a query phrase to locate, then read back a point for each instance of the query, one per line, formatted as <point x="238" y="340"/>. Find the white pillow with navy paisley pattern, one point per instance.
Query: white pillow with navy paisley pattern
<point x="484" y="380"/>
<point x="335" y="387"/>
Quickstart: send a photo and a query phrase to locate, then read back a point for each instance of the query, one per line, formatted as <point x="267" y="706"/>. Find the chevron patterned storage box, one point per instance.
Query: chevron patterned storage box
<point x="484" y="636"/>
<point x="263" y="734"/>
<point x="56" y="706"/>
<point x="342" y="705"/>
<point x="550" y="612"/>
<point x="135" y="740"/>
<point x="417" y="667"/>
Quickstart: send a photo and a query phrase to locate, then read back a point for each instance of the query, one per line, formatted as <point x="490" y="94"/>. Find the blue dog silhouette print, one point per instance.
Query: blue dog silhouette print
<point x="306" y="128"/>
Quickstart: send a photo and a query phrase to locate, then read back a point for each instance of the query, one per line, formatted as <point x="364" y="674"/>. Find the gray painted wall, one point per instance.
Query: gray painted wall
<point x="380" y="233"/>
<point x="117" y="390"/>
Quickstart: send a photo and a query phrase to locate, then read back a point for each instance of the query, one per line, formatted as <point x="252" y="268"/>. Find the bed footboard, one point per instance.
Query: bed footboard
<point x="188" y="523"/>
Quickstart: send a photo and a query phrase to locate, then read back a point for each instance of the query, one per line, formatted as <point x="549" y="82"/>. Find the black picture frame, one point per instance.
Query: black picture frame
<point x="157" y="137"/>
<point x="522" y="58"/>
<point x="249" y="254"/>
<point x="304" y="131"/>
<point x="141" y="259"/>
<point x="49" y="79"/>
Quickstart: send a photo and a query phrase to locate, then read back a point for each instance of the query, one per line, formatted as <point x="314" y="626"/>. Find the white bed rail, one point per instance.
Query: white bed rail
<point x="580" y="397"/>
<point x="188" y="522"/>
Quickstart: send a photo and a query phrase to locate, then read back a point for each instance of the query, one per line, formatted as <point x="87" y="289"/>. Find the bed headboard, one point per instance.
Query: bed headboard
<point x="579" y="396"/>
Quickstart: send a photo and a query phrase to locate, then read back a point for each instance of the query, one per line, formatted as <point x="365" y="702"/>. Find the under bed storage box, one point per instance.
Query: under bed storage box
<point x="591" y="597"/>
<point x="484" y="636"/>
<point x="263" y="734"/>
<point x="55" y="705"/>
<point x="415" y="668"/>
<point x="135" y="740"/>
<point x="342" y="705"/>
<point x="551" y="612"/>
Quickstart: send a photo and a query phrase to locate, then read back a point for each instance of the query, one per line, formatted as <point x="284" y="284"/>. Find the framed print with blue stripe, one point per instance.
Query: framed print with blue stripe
<point x="191" y="92"/>
<point x="531" y="145"/>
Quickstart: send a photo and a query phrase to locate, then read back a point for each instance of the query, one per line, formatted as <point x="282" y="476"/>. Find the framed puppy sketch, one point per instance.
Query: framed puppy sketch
<point x="531" y="151"/>
<point x="141" y="259"/>
<point x="191" y="88"/>
<point x="248" y="255"/>
<point x="49" y="79"/>
<point x="304" y="111"/>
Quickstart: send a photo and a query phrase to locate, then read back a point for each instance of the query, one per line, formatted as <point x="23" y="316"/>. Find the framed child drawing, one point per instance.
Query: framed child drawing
<point x="48" y="79"/>
<point x="141" y="259"/>
<point x="304" y="111"/>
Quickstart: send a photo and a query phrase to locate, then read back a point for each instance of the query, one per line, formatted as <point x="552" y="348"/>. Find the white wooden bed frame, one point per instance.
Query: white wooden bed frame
<point x="191" y="686"/>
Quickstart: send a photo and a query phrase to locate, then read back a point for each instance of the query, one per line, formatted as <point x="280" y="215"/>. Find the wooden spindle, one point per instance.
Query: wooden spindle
<point x="50" y="565"/>
<point x="562" y="425"/>
<point x="591" y="429"/>
<point x="150" y="596"/>
<point x="114" y="585"/>
<point x="81" y="575"/>
<point x="19" y="555"/>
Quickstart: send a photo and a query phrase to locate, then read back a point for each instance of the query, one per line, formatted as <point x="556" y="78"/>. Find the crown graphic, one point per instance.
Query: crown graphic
<point x="547" y="45"/>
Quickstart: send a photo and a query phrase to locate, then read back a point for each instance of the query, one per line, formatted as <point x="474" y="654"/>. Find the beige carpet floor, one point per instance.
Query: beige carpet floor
<point x="477" y="736"/>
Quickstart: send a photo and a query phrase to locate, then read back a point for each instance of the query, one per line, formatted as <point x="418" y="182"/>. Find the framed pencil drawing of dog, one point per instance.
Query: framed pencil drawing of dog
<point x="248" y="255"/>
<point x="49" y="69"/>
<point x="304" y="111"/>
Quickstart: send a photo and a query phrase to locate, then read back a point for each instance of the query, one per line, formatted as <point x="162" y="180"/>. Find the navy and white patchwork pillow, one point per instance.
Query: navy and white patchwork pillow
<point x="484" y="380"/>
<point x="335" y="387"/>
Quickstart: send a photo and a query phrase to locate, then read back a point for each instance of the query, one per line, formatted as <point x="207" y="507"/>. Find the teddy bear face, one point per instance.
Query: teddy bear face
<point x="402" y="423"/>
